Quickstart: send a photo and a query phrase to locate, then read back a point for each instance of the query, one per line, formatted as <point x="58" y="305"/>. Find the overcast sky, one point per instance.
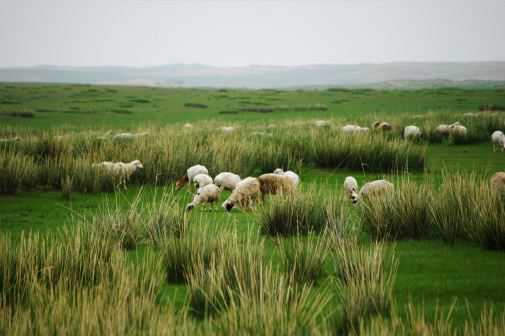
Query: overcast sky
<point x="240" y="32"/>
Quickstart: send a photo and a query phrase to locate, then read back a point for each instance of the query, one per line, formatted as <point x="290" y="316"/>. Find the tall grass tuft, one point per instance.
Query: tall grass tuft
<point x="17" y="171"/>
<point x="299" y="213"/>
<point x="366" y="280"/>
<point x="401" y="214"/>
<point x="305" y="258"/>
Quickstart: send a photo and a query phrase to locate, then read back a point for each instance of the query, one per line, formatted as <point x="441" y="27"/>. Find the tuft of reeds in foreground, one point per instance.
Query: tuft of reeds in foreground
<point x="366" y="279"/>
<point x="299" y="214"/>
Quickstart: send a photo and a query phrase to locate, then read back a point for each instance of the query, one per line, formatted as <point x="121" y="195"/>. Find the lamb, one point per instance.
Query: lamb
<point x="354" y="129"/>
<point x="276" y="184"/>
<point x="227" y="181"/>
<point x="498" y="181"/>
<point x="201" y="180"/>
<point x="245" y="194"/>
<point x="351" y="188"/>
<point x="292" y="175"/>
<point x="498" y="139"/>
<point x="208" y="194"/>
<point x="190" y="175"/>
<point x="382" y="125"/>
<point x="411" y="132"/>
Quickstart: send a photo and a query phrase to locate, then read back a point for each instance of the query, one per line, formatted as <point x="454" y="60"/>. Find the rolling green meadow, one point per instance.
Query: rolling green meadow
<point x="84" y="253"/>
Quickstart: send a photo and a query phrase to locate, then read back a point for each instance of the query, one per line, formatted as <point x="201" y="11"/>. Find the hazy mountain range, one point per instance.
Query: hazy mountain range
<point x="389" y="75"/>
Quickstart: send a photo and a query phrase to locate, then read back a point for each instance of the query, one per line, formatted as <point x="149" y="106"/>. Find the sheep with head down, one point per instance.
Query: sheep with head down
<point x="246" y="193"/>
<point x="369" y="189"/>
<point x="498" y="181"/>
<point x="412" y="132"/>
<point x="498" y="140"/>
<point x="205" y="195"/>
<point x="201" y="180"/>
<point x="190" y="174"/>
<point x="354" y="129"/>
<point x="351" y="188"/>
<point x="120" y="168"/>
<point x="382" y="126"/>
<point x="276" y="184"/>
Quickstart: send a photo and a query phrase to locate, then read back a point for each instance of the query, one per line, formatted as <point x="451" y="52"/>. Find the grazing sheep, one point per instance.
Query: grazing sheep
<point x="498" y="181"/>
<point x="227" y="181"/>
<point x="262" y="133"/>
<point x="375" y="188"/>
<point x="201" y="180"/>
<point x="457" y="130"/>
<point x="354" y="129"/>
<point x="411" y="132"/>
<point x="291" y="174"/>
<point x="276" y="184"/>
<point x="351" y="188"/>
<point x="382" y="125"/>
<point x="187" y="125"/>
<point x="498" y="139"/>
<point x="190" y="175"/>
<point x="322" y="123"/>
<point x="9" y="140"/>
<point x="128" y="136"/>
<point x="442" y="130"/>
<point x="245" y="194"/>
<point x="205" y="195"/>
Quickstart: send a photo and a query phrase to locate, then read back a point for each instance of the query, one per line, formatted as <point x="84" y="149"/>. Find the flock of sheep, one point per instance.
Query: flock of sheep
<point x="244" y="192"/>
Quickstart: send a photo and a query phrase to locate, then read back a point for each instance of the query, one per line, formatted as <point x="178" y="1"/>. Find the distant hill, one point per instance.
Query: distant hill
<point x="388" y="75"/>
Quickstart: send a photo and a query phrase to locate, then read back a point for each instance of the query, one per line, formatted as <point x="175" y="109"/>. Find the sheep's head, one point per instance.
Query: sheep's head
<point x="189" y="207"/>
<point x="228" y="205"/>
<point x="354" y="196"/>
<point x="181" y="182"/>
<point x="138" y="164"/>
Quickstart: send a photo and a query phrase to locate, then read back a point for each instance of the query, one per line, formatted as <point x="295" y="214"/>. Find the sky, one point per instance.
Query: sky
<point x="240" y="32"/>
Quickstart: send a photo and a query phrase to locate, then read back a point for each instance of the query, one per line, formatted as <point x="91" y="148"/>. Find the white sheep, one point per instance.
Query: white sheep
<point x="382" y="125"/>
<point x="322" y="123"/>
<point x="201" y="180"/>
<point x="375" y="187"/>
<point x="128" y="136"/>
<point x="245" y="194"/>
<point x="120" y="168"/>
<point x="442" y="130"/>
<point x="187" y="125"/>
<point x="411" y="132"/>
<point x="191" y="172"/>
<point x="351" y="188"/>
<point x="227" y="180"/>
<point x="291" y="174"/>
<point x="457" y="130"/>
<point x="498" y="139"/>
<point x="228" y="129"/>
<point x="354" y="129"/>
<point x="205" y="195"/>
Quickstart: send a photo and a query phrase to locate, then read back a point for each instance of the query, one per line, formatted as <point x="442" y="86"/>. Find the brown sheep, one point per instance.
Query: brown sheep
<point x="498" y="181"/>
<point x="276" y="184"/>
<point x="382" y="125"/>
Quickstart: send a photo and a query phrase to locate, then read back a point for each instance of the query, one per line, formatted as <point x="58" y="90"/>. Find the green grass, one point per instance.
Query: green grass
<point x="430" y="273"/>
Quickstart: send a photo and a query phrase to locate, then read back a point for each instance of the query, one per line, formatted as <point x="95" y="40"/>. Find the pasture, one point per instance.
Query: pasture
<point x="426" y="258"/>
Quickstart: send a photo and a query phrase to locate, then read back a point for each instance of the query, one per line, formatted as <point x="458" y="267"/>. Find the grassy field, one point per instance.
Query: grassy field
<point x="463" y="278"/>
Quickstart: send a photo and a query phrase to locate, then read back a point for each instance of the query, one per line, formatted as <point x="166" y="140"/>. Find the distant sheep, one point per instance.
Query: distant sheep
<point x="205" y="195"/>
<point x="128" y="136"/>
<point x="322" y="123"/>
<point x="498" y="181"/>
<point x="9" y="140"/>
<point x="245" y="194"/>
<point x="457" y="130"/>
<point x="227" y="181"/>
<point x="228" y="129"/>
<point x="187" y="125"/>
<point x="382" y="125"/>
<point x="442" y="130"/>
<point x="498" y="140"/>
<point x="351" y="188"/>
<point x="291" y="174"/>
<point x="276" y="184"/>
<point x="201" y="180"/>
<point x="190" y="175"/>
<point x="354" y="129"/>
<point x="411" y="132"/>
<point x="125" y="170"/>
